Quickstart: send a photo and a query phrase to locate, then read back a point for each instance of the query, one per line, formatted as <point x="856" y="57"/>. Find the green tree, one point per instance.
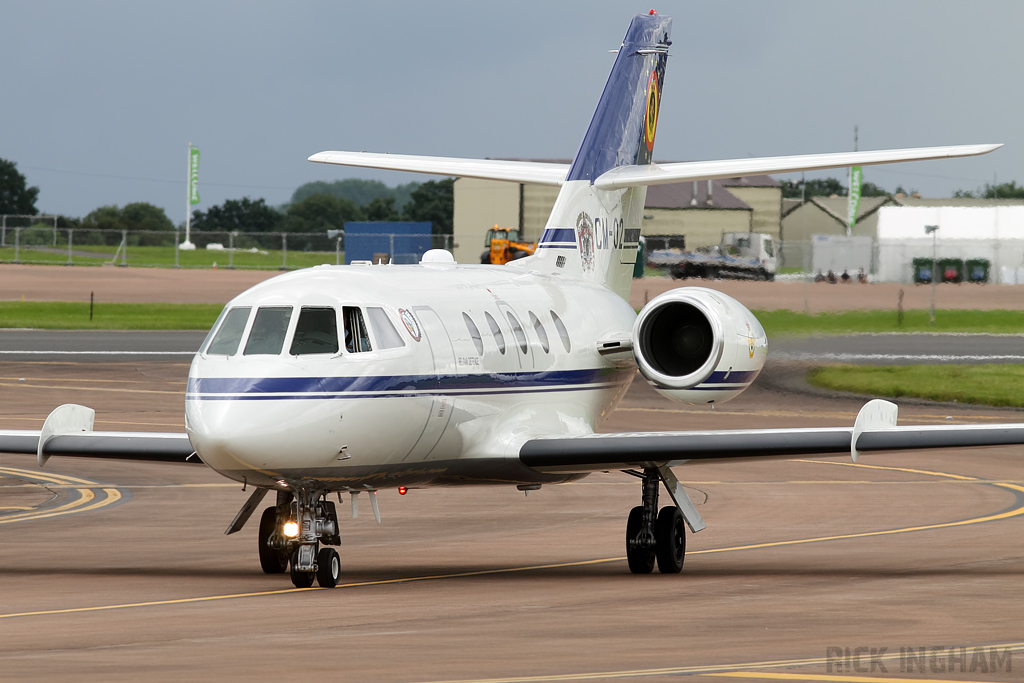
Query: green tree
<point x="382" y="209"/>
<point x="134" y="217"/>
<point x="872" y="190"/>
<point x="104" y="218"/>
<point x="1010" y="190"/>
<point x="15" y="196"/>
<point x="357" y="190"/>
<point x="321" y="212"/>
<point x="241" y="215"/>
<point x="433" y="201"/>
<point x="818" y="187"/>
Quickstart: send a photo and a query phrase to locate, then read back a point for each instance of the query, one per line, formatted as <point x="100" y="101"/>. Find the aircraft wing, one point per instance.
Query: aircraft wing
<point x="874" y="430"/>
<point x="663" y="174"/>
<point x="68" y="431"/>
<point x="151" y="446"/>
<point x="488" y="169"/>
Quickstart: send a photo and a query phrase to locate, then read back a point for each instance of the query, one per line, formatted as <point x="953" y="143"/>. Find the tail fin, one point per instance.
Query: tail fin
<point x="594" y="233"/>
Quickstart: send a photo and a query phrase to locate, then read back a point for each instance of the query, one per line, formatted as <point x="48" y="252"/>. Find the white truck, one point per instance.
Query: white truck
<point x="739" y="256"/>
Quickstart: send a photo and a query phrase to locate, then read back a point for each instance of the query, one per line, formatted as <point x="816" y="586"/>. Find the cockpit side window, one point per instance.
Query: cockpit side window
<point x="386" y="334"/>
<point x="225" y="341"/>
<point x="356" y="338"/>
<point x="268" y="331"/>
<point x="315" y="332"/>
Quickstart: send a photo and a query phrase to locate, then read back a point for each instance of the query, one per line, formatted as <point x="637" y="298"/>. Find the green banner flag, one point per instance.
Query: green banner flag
<point x="856" y="175"/>
<point x="193" y="175"/>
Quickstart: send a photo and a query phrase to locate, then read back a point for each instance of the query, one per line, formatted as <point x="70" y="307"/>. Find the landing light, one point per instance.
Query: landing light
<point x="402" y="490"/>
<point x="291" y="529"/>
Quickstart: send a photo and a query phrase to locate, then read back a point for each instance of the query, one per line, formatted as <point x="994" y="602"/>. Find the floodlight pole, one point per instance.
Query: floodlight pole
<point x="187" y="244"/>
<point x="933" y="230"/>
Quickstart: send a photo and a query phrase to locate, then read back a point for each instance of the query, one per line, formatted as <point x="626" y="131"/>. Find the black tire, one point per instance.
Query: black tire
<point x="271" y="560"/>
<point x="300" y="579"/>
<point x="671" y="536"/>
<point x="485" y="258"/>
<point x="328" y="568"/>
<point x="518" y="254"/>
<point x="641" y="560"/>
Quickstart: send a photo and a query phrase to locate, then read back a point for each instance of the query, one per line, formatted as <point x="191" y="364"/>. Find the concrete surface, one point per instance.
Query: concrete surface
<point x="913" y="550"/>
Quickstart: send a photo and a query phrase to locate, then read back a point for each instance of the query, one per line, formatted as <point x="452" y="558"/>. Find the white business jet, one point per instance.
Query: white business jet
<point x="351" y="379"/>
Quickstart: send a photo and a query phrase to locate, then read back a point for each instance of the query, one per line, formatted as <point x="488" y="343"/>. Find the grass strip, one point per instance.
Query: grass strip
<point x="163" y="257"/>
<point x="73" y="315"/>
<point x="789" y="323"/>
<point x="992" y="384"/>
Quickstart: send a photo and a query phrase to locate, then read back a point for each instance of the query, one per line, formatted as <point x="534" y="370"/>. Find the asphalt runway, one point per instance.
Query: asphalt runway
<point x="879" y="349"/>
<point x="120" y="571"/>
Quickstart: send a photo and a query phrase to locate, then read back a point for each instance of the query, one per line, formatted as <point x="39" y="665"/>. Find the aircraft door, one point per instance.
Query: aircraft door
<point x="440" y="343"/>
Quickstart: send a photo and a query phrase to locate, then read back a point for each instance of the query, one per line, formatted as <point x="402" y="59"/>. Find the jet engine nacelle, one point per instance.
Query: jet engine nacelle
<point x="697" y="345"/>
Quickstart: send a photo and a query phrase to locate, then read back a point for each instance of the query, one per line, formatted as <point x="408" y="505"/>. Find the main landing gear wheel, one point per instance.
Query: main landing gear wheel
<point x="328" y="568"/>
<point x="272" y="561"/>
<point x="652" y="535"/>
<point x="639" y="556"/>
<point x="300" y="579"/>
<point x="670" y="540"/>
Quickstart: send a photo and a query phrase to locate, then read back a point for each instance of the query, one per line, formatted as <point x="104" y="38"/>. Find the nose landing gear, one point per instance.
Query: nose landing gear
<point x="291" y="534"/>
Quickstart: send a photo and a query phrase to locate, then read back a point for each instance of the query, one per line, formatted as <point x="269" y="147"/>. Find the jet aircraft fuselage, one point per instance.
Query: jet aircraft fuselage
<point x="416" y="374"/>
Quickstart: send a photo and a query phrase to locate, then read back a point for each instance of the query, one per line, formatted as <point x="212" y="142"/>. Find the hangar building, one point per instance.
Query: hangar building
<point x="752" y="204"/>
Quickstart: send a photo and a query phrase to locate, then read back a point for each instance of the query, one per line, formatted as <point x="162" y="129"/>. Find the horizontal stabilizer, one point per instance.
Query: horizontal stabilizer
<point x="488" y="169"/>
<point x="664" y="174"/>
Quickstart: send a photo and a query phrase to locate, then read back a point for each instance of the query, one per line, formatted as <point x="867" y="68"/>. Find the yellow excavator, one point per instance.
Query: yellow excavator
<point x="503" y="245"/>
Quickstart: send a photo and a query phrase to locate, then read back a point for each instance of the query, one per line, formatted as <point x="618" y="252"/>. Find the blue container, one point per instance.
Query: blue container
<point x="402" y="242"/>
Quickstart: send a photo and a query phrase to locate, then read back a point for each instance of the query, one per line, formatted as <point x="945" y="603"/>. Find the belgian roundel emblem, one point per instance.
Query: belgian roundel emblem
<point x="410" y="324"/>
<point x="651" y="119"/>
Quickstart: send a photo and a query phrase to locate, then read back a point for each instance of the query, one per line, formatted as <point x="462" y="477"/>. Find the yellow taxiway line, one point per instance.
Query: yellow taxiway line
<point x="747" y="670"/>
<point x="85" y="501"/>
<point x="1012" y="512"/>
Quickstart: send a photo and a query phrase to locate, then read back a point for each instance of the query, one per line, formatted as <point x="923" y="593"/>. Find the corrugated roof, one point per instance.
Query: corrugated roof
<point x="751" y="181"/>
<point x="680" y="196"/>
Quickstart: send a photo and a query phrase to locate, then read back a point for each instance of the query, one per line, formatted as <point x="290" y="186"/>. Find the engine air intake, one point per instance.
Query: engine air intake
<point x="678" y="339"/>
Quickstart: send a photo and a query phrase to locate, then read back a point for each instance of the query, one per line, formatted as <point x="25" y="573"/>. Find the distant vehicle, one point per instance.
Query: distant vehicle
<point x="503" y="245"/>
<point x="739" y="256"/>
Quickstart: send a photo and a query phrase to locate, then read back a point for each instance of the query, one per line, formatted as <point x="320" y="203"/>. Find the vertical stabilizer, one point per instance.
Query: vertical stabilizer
<point x="593" y="233"/>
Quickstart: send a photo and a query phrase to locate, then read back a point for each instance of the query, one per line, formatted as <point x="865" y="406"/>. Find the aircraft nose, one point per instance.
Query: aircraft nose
<point x="263" y="434"/>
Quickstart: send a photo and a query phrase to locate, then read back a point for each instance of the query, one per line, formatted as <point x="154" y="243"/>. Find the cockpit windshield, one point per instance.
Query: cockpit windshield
<point x="315" y="332"/>
<point x="230" y="333"/>
<point x="268" y="331"/>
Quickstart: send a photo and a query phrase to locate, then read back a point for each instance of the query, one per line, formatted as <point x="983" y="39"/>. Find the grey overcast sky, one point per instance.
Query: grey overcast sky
<point x="100" y="99"/>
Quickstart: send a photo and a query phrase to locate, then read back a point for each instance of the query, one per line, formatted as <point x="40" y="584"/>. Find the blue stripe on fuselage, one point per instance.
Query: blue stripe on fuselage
<point x="398" y="385"/>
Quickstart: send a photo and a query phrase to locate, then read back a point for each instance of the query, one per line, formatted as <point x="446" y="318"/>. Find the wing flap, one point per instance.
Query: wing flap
<point x="488" y="169"/>
<point x="663" y="174"/>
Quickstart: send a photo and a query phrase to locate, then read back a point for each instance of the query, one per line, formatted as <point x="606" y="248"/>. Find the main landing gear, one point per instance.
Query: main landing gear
<point x="658" y="536"/>
<point x="290" y="536"/>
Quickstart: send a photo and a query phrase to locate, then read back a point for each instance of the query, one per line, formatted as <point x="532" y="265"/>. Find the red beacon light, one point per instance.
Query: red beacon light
<point x="653" y="12"/>
<point x="402" y="490"/>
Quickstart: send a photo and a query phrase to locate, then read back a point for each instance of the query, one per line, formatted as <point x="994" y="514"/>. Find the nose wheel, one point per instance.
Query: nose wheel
<point x="290" y="536"/>
<point x="653" y="536"/>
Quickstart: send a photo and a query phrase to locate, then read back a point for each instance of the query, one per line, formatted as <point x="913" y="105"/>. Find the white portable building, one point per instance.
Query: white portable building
<point x="995" y="233"/>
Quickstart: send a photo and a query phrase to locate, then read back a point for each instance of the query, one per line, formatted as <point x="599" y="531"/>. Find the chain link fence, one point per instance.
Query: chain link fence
<point x="39" y="243"/>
